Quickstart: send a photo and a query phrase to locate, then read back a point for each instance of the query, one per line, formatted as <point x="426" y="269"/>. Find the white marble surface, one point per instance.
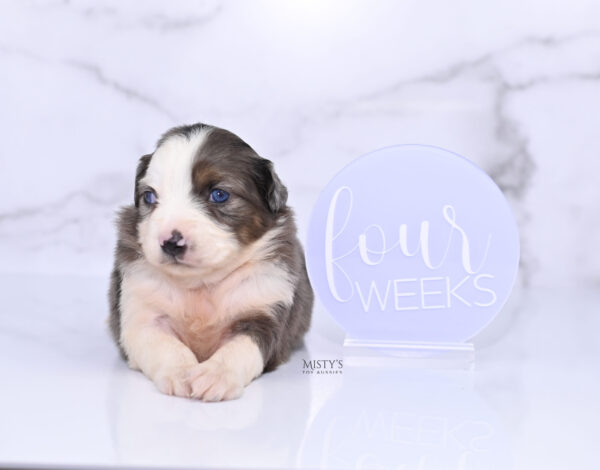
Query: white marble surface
<point x="87" y="87"/>
<point x="529" y="402"/>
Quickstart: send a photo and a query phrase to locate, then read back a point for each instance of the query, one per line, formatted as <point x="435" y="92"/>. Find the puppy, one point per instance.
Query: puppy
<point x="209" y="287"/>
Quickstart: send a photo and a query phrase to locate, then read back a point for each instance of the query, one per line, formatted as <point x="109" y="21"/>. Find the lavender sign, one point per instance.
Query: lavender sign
<point x="412" y="243"/>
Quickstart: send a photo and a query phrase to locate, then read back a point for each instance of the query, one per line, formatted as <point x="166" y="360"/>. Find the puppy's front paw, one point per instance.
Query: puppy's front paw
<point x="173" y="382"/>
<point x="212" y="380"/>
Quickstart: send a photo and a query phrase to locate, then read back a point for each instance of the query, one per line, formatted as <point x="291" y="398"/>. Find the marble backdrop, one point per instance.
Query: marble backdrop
<point x="86" y="88"/>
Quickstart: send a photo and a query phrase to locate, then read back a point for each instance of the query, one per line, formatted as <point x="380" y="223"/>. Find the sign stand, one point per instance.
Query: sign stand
<point x="364" y="352"/>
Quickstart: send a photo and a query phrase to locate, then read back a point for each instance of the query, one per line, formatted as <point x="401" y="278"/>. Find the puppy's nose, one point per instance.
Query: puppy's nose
<point x="174" y="246"/>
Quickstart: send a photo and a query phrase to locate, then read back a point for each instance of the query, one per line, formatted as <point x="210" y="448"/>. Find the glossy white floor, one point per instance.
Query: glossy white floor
<point x="531" y="400"/>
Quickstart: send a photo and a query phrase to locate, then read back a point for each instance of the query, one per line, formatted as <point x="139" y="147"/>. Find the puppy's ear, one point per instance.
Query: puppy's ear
<point x="273" y="190"/>
<point x="139" y="174"/>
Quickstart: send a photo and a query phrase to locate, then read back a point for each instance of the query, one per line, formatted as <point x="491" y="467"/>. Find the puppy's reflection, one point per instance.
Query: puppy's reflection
<point x="263" y="428"/>
<point x="410" y="419"/>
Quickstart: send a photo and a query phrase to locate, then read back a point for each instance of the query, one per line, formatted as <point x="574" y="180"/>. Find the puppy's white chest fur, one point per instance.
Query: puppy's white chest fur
<point x="200" y="316"/>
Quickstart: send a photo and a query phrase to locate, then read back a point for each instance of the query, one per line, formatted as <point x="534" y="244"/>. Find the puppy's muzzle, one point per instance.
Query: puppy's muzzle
<point x="174" y="246"/>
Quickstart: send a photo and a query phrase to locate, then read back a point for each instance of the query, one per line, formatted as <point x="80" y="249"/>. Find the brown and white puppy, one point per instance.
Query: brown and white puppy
<point x="209" y="287"/>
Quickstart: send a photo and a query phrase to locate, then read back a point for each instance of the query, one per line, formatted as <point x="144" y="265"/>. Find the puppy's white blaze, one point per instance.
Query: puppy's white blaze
<point x="169" y="172"/>
<point x="210" y="246"/>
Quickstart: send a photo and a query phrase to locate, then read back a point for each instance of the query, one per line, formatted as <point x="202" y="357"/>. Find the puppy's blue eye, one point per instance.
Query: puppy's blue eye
<point x="150" y="197"/>
<point x="218" y="195"/>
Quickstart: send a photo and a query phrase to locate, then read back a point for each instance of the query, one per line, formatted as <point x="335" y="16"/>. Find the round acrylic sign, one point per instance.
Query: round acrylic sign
<point x="412" y="243"/>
